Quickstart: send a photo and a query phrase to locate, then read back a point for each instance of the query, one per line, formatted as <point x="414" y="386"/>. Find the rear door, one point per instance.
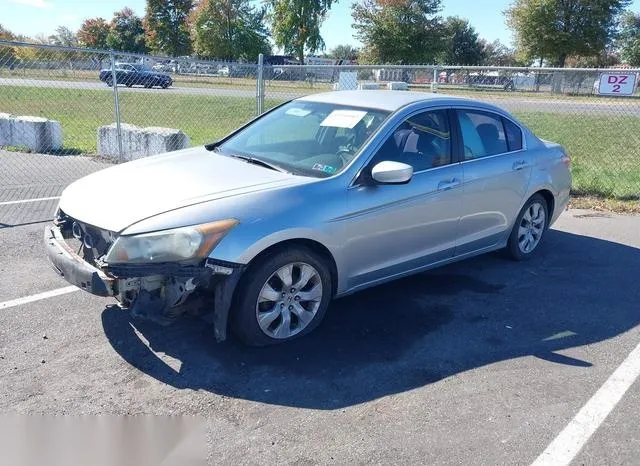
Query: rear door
<point x="496" y="171"/>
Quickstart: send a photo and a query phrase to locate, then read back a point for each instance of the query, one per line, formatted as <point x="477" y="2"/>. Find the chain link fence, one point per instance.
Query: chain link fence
<point x="66" y="112"/>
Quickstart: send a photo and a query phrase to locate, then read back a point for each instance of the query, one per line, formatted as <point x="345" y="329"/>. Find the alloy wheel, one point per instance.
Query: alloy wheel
<point x="531" y="227"/>
<point x="289" y="300"/>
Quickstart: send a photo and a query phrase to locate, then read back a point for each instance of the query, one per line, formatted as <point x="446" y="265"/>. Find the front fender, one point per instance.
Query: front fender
<point x="238" y="248"/>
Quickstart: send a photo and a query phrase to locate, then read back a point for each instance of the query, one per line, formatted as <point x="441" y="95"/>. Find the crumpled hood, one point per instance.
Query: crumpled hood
<point x="122" y="195"/>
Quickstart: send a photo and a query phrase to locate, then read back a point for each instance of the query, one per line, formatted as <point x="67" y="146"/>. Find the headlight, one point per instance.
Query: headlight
<point x="176" y="245"/>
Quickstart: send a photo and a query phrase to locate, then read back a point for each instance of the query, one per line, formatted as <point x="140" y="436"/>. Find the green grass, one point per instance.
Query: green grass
<point x="605" y="150"/>
<point x="81" y="112"/>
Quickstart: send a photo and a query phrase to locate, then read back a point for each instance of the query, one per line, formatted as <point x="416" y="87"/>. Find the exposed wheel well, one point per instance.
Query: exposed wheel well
<point x="548" y="196"/>
<point x="314" y="246"/>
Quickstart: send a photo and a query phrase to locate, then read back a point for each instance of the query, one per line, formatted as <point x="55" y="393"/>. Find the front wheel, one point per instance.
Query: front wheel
<point x="529" y="228"/>
<point x="282" y="297"/>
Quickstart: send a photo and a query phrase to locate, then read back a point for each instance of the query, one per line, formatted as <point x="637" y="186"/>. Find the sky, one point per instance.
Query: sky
<point x="32" y="17"/>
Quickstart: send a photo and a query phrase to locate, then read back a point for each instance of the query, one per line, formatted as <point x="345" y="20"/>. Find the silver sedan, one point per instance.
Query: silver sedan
<point x="320" y="197"/>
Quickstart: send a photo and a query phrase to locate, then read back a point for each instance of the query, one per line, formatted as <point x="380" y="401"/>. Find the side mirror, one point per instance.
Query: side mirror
<point x="388" y="172"/>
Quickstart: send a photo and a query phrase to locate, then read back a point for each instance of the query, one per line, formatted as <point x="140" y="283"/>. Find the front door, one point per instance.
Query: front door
<point x="396" y="229"/>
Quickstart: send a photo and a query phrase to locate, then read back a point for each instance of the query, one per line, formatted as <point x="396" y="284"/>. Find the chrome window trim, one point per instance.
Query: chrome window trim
<point x="501" y="154"/>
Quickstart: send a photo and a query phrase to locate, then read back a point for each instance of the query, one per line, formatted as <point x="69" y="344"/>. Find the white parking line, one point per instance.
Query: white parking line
<point x="575" y="435"/>
<point x="38" y="297"/>
<point x="24" y="201"/>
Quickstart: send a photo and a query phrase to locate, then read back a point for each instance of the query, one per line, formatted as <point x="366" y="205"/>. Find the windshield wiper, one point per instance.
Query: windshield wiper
<point x="259" y="162"/>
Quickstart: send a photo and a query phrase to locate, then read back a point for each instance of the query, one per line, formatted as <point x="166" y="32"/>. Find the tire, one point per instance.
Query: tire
<point x="109" y="82"/>
<point x="520" y="247"/>
<point x="280" y="309"/>
<point x="165" y="85"/>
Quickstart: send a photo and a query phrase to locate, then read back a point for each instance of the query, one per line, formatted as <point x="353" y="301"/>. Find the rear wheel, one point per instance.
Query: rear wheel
<point x="109" y="81"/>
<point x="282" y="297"/>
<point x="529" y="228"/>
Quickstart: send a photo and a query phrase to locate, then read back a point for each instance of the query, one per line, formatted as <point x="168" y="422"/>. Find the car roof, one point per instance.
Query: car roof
<point x="384" y="100"/>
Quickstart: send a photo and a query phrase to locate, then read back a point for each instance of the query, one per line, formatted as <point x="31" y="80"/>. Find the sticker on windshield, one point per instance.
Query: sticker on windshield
<point x="343" y="118"/>
<point x="298" y="112"/>
<point x="325" y="168"/>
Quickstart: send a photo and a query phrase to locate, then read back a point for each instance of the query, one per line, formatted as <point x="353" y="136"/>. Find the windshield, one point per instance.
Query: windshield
<point x="307" y="138"/>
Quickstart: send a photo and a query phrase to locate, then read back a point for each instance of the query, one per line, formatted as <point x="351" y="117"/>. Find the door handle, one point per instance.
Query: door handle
<point x="448" y="184"/>
<point x="520" y="164"/>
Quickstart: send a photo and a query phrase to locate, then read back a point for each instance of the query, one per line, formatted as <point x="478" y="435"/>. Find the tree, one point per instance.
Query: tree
<point x="399" y="31"/>
<point x="344" y="52"/>
<point x="229" y="29"/>
<point x="93" y="33"/>
<point x="295" y="25"/>
<point x="557" y="29"/>
<point x="64" y="37"/>
<point x="126" y="33"/>
<point x="41" y="38"/>
<point x="7" y="54"/>
<point x="5" y="34"/>
<point x="629" y="41"/>
<point x="167" y="26"/>
<point x="461" y="46"/>
<point x="602" y="60"/>
<point x="497" y="54"/>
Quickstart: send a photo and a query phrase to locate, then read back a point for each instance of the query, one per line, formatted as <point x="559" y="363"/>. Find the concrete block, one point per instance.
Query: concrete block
<point x="397" y="86"/>
<point x="6" y="127"/>
<point x="134" y="142"/>
<point x="140" y="142"/>
<point x="161" y="140"/>
<point x="368" y="86"/>
<point x="38" y="134"/>
<point x="108" y="140"/>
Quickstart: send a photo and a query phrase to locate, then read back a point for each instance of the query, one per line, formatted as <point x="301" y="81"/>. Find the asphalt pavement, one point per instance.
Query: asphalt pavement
<point x="481" y="362"/>
<point x="27" y="177"/>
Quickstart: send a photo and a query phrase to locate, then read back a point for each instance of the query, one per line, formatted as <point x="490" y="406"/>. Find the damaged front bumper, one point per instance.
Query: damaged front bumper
<point x="74" y="268"/>
<point x="158" y="292"/>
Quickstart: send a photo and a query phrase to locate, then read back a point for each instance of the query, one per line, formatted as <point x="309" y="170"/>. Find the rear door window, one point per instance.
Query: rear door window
<point x="483" y="134"/>
<point x="514" y="135"/>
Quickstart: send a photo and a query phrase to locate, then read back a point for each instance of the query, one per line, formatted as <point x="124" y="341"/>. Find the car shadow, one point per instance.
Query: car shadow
<point x="408" y="333"/>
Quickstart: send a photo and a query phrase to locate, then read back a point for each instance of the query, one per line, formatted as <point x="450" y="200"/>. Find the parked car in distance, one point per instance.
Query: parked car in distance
<point x="132" y="74"/>
<point x="505" y="83"/>
<point x="166" y="66"/>
<point x="318" y="198"/>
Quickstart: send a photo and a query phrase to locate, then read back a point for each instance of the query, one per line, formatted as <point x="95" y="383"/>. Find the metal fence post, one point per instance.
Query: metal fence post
<point x="260" y="86"/>
<point x="434" y="82"/>
<point x="116" y="103"/>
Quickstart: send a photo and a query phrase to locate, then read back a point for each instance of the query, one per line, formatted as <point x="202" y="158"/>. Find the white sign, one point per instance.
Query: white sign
<point x="343" y="118"/>
<point x="617" y="84"/>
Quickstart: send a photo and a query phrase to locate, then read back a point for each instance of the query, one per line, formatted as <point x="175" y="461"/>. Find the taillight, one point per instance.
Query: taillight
<point x="565" y="159"/>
